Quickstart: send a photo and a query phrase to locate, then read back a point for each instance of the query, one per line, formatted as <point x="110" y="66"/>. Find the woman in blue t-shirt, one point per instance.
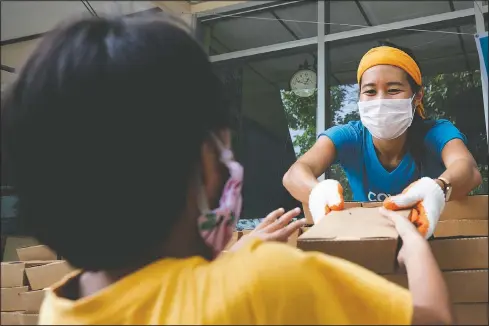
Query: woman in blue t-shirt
<point x="392" y="150"/>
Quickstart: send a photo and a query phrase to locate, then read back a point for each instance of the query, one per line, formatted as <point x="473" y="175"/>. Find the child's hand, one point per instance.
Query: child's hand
<point x="274" y="227"/>
<point x="412" y="240"/>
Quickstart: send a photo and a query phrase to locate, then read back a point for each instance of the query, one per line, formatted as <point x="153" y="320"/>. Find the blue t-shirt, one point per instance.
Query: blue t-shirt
<point x="369" y="180"/>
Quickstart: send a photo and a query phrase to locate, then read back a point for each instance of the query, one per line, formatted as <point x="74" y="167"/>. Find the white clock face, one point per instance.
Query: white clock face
<point x="303" y="83"/>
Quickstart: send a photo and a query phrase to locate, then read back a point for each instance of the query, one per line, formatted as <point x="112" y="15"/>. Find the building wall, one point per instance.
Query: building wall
<point x="15" y="55"/>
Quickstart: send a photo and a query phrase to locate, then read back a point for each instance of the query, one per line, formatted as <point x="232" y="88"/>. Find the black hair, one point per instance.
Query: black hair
<point x="104" y="128"/>
<point x="420" y="126"/>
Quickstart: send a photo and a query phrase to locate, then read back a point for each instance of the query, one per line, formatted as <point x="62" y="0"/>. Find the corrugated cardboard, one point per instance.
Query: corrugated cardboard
<point x="234" y="239"/>
<point x="461" y="253"/>
<point x="469" y="208"/>
<point x="357" y="234"/>
<point x="461" y="228"/>
<point x="10" y="299"/>
<point x="11" y="245"/>
<point x="40" y="252"/>
<point x="308" y="216"/>
<point x="10" y="318"/>
<point x="44" y="276"/>
<point x="29" y="319"/>
<point x="34" y="263"/>
<point x="469" y="286"/>
<point x="245" y="232"/>
<point x="12" y="274"/>
<point x="32" y="300"/>
<point x="471" y="314"/>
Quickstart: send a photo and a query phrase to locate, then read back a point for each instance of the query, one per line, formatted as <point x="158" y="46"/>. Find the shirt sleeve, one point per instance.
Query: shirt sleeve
<point x="295" y="287"/>
<point x="346" y="139"/>
<point x="440" y="134"/>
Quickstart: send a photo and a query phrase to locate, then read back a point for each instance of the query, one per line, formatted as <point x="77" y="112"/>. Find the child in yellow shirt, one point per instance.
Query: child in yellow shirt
<point x="121" y="148"/>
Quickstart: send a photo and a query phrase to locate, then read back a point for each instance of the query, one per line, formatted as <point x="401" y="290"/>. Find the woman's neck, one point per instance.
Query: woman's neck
<point x="391" y="152"/>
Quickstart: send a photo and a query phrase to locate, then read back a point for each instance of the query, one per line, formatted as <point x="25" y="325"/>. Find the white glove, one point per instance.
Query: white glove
<point x="426" y="198"/>
<point x="325" y="197"/>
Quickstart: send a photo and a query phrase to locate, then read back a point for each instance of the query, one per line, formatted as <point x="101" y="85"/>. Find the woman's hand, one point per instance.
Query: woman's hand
<point x="274" y="227"/>
<point x="426" y="198"/>
<point x="325" y="197"/>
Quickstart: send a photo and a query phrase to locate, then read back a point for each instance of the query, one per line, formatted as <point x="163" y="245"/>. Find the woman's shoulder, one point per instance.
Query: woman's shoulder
<point x="442" y="130"/>
<point x="349" y="133"/>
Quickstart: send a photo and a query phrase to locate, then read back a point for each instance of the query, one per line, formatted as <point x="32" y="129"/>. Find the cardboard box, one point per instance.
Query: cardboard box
<point x="29" y="319"/>
<point x="461" y="253"/>
<point x="40" y="252"/>
<point x="41" y="277"/>
<point x="471" y="314"/>
<point x="10" y="299"/>
<point x="32" y="300"/>
<point x="461" y="228"/>
<point x="469" y="286"/>
<point x="234" y="239"/>
<point x="308" y="216"/>
<point x="357" y="234"/>
<point x="12" y="274"/>
<point x="469" y="208"/>
<point x="245" y="232"/>
<point x="10" y="318"/>
<point x="11" y="245"/>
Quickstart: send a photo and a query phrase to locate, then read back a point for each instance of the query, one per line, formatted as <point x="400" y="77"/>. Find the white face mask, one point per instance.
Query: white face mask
<point x="386" y="118"/>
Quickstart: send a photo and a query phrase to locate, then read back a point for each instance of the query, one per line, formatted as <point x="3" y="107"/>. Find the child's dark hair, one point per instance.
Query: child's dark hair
<point x="104" y="127"/>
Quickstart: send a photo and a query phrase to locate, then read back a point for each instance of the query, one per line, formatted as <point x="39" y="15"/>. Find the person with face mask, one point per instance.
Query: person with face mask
<point x="394" y="154"/>
<point x="108" y="180"/>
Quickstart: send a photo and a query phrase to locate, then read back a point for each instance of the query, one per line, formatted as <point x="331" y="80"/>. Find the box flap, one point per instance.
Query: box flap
<point x="355" y="223"/>
<point x="10" y="318"/>
<point x="10" y="299"/>
<point x="308" y="216"/>
<point x="32" y="300"/>
<point x="40" y="252"/>
<point x="469" y="286"/>
<point x="471" y="314"/>
<point x="462" y="228"/>
<point x="44" y="276"/>
<point x="471" y="207"/>
<point x="12" y="274"/>
<point x="29" y="319"/>
<point x="461" y="253"/>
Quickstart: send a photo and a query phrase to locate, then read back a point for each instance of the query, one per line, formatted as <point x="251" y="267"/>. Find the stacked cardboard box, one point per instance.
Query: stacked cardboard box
<point x="460" y="246"/>
<point x="23" y="283"/>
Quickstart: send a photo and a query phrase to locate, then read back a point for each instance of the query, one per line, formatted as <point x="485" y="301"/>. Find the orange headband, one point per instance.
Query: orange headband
<point x="386" y="55"/>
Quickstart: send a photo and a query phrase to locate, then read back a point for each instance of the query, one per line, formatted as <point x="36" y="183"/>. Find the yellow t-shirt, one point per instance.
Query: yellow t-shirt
<point x="262" y="283"/>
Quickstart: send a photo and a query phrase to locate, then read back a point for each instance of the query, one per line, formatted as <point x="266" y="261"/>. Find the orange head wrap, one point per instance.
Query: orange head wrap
<point x="386" y="55"/>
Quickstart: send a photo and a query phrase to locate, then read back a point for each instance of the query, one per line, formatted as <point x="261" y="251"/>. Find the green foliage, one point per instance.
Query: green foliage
<point x="441" y="92"/>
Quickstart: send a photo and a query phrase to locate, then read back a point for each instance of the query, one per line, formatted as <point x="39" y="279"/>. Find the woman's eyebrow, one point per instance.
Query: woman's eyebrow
<point x="395" y="83"/>
<point x="368" y="85"/>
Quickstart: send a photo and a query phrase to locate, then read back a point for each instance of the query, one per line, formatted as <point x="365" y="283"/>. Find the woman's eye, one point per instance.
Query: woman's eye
<point x="369" y="91"/>
<point x="394" y="90"/>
